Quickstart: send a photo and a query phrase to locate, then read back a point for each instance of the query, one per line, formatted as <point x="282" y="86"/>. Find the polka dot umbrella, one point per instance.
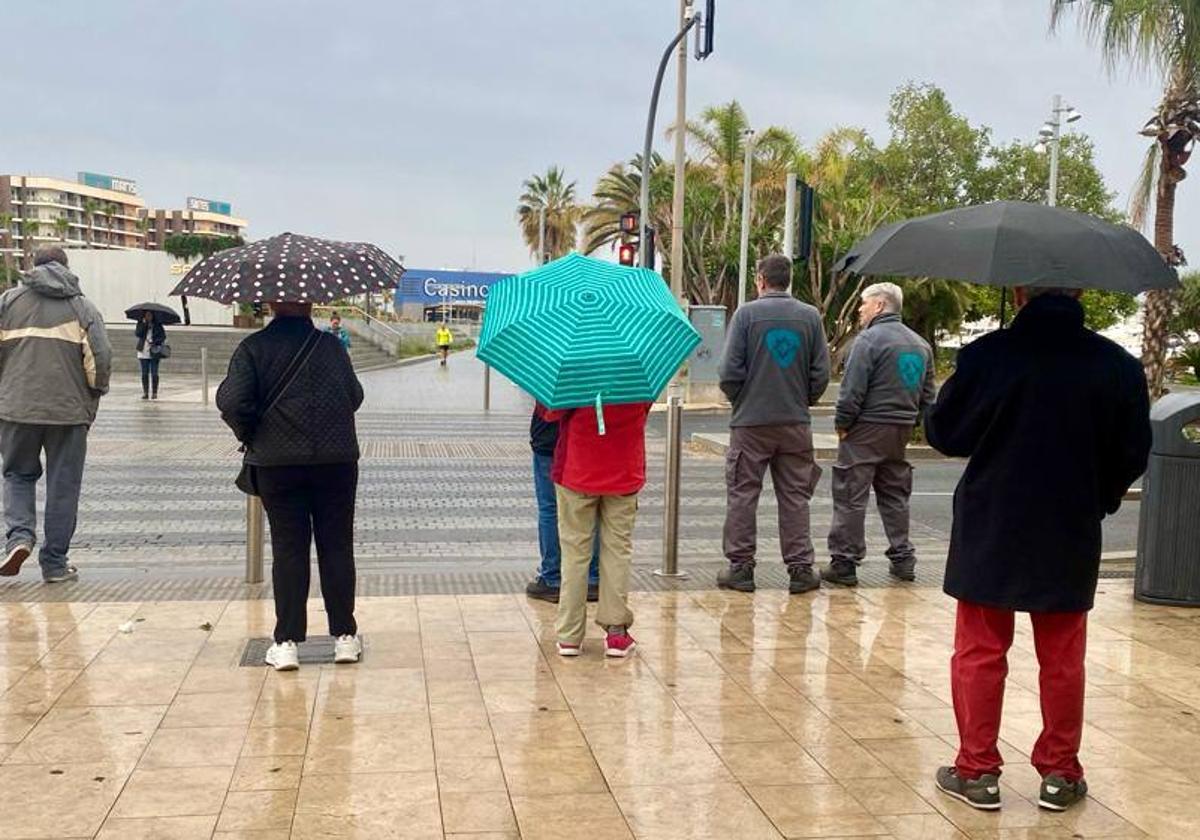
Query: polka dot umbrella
<point x="291" y="268"/>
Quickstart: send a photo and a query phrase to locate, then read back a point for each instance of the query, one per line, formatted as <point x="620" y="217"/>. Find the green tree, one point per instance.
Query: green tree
<point x="556" y="196"/>
<point x="30" y="230"/>
<point x="1163" y="35"/>
<point x="185" y="246"/>
<point x="62" y="227"/>
<point x="1185" y="317"/>
<point x="90" y="208"/>
<point x="618" y="192"/>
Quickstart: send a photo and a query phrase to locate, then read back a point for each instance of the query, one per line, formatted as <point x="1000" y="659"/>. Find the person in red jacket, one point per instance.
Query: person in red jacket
<point x="599" y="468"/>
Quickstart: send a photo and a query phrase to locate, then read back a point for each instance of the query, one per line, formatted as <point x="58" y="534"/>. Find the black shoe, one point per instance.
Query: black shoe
<point x="539" y="589"/>
<point x="802" y="579"/>
<point x="738" y="577"/>
<point x="905" y="570"/>
<point x="982" y="793"/>
<point x="841" y="572"/>
<point x="593" y="592"/>
<point x="1057" y="794"/>
<point x="145" y="396"/>
<point x="154" y="396"/>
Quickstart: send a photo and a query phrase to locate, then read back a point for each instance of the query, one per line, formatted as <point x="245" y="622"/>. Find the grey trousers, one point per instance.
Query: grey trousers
<point x="66" y="449"/>
<point x="788" y="451"/>
<point x="872" y="455"/>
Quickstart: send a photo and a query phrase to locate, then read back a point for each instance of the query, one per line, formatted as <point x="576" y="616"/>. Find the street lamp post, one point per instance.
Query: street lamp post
<point x="744" y="256"/>
<point x="1049" y="138"/>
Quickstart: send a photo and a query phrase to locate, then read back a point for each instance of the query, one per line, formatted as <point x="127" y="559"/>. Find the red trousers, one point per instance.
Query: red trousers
<point x="977" y="671"/>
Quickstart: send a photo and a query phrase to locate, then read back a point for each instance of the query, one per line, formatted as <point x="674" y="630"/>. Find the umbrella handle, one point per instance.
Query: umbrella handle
<point x="600" y="414"/>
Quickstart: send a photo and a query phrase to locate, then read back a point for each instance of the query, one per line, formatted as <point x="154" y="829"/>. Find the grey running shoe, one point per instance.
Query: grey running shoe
<point x="1058" y="794"/>
<point x="802" y="579"/>
<point x="738" y="577"/>
<point x="841" y="572"/>
<point x="982" y="793"/>
<point x="904" y="570"/>
<point x="62" y="575"/>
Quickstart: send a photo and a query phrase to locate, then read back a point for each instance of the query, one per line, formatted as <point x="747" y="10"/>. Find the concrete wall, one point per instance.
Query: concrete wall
<point x="116" y="280"/>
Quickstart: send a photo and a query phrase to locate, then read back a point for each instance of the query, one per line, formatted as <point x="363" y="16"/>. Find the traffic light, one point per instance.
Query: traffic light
<point x="704" y="33"/>
<point x="629" y="224"/>
<point x="627" y="253"/>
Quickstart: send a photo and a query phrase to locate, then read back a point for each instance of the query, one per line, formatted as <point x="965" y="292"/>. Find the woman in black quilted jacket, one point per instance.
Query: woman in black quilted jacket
<point x="290" y="397"/>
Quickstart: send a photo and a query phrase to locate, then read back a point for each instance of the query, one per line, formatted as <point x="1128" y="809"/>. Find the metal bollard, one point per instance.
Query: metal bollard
<point x="670" y="564"/>
<point x="487" y="387"/>
<point x="204" y="375"/>
<point x="254" y="539"/>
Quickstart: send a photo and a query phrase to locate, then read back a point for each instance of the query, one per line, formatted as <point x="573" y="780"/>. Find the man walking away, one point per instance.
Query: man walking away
<point x="55" y="362"/>
<point x="1055" y="421"/>
<point x="887" y="386"/>
<point x="443" y="340"/>
<point x="776" y="365"/>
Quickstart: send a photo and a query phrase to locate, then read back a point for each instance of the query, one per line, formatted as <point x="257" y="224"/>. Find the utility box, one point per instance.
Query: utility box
<point x="705" y="362"/>
<point x="1168" y="561"/>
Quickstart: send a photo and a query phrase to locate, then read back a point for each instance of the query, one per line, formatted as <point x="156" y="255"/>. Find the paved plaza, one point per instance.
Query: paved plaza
<point x="130" y="707"/>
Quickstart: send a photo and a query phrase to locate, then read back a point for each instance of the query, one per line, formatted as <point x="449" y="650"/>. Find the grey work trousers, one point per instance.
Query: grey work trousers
<point x="788" y="451"/>
<point x="872" y="455"/>
<point x="66" y="449"/>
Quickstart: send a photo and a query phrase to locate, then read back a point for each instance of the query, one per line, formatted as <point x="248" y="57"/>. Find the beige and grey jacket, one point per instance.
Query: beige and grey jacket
<point x="55" y="358"/>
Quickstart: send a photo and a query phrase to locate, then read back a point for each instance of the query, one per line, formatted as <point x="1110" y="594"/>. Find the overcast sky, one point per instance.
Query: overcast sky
<point x="412" y="123"/>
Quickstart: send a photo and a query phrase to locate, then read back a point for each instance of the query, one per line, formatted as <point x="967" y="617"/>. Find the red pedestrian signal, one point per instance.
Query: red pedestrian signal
<point x="627" y="254"/>
<point x="629" y="224"/>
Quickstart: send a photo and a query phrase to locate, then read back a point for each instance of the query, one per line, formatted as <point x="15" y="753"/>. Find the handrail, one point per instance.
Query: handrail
<point x="359" y="312"/>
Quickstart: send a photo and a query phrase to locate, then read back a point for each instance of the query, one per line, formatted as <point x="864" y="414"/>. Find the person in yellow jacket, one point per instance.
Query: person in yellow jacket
<point x="443" y="340"/>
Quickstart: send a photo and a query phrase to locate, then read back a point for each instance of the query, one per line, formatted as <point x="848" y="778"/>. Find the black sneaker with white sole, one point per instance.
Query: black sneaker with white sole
<point x="17" y="555"/>
<point x="63" y="575"/>
<point x="982" y="793"/>
<point x="1057" y="794"/>
<point x="737" y="576"/>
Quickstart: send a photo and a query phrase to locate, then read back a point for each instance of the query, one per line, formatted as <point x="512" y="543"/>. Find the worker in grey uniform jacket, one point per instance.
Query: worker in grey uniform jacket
<point x="887" y="386"/>
<point x="775" y="365"/>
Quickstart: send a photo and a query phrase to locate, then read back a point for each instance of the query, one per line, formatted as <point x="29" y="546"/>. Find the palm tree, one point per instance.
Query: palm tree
<point x="552" y="193"/>
<point x="29" y="230"/>
<point x="90" y="208"/>
<point x="1163" y="35"/>
<point x="619" y="192"/>
<point x="62" y="226"/>
<point x="6" y="220"/>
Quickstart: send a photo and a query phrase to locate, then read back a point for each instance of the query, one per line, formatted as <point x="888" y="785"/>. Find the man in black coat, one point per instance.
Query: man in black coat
<point x="1055" y="421"/>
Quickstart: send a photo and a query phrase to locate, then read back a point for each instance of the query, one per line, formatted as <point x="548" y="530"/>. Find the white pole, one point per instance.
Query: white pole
<point x="1056" y="127"/>
<point x="746" y="210"/>
<point x="789" y="217"/>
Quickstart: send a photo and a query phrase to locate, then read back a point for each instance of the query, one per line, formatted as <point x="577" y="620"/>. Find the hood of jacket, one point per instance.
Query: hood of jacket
<point x="52" y="280"/>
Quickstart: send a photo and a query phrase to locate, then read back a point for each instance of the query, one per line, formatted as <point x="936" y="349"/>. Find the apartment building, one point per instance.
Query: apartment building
<point x="93" y="211"/>
<point x="202" y="217"/>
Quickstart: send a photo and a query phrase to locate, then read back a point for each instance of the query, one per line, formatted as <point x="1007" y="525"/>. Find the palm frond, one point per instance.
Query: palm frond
<point x="1144" y="188"/>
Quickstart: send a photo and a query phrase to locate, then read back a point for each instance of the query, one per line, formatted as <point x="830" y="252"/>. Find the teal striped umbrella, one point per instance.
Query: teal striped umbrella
<point x="580" y="331"/>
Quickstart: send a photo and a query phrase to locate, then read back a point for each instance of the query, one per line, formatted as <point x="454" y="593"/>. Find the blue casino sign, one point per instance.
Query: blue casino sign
<point x="427" y="287"/>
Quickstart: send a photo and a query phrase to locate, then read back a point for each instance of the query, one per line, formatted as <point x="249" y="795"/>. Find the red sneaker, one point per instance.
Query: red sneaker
<point x="567" y="649"/>
<point x="619" y="643"/>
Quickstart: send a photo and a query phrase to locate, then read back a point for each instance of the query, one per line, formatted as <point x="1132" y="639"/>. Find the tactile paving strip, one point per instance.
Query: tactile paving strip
<point x="464" y="582"/>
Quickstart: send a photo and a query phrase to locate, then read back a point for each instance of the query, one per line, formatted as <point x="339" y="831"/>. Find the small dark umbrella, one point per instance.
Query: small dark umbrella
<point x="1014" y="243"/>
<point x="291" y="268"/>
<point x="162" y="314"/>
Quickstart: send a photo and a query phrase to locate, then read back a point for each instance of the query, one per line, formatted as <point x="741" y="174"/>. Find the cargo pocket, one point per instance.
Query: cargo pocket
<point x="733" y="458"/>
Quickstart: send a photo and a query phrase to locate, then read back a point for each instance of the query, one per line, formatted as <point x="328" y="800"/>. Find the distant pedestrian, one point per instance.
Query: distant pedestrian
<point x="339" y="332"/>
<point x="776" y="365"/>
<point x="543" y="437"/>
<point x="151" y="339"/>
<point x="443" y="339"/>
<point x="290" y="398"/>
<point x="599" y="469"/>
<point x="55" y="361"/>
<point x="1055" y="421"/>
<point x="886" y="388"/>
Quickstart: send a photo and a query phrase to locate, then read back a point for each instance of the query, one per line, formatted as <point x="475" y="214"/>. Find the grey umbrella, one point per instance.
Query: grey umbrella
<point x="1014" y="243"/>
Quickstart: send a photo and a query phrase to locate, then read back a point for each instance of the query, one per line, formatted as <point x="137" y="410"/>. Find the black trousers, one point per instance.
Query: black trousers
<point x="303" y="503"/>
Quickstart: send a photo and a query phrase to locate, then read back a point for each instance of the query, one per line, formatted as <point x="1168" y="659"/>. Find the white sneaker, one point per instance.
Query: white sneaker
<point x="283" y="656"/>
<point x="347" y="649"/>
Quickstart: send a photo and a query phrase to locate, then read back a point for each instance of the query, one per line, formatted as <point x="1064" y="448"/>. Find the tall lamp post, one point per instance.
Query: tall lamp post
<point x="1049" y="138"/>
<point x="744" y="254"/>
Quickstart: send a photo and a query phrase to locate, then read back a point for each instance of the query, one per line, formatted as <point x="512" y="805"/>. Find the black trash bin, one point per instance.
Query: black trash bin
<point x="1168" y="560"/>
